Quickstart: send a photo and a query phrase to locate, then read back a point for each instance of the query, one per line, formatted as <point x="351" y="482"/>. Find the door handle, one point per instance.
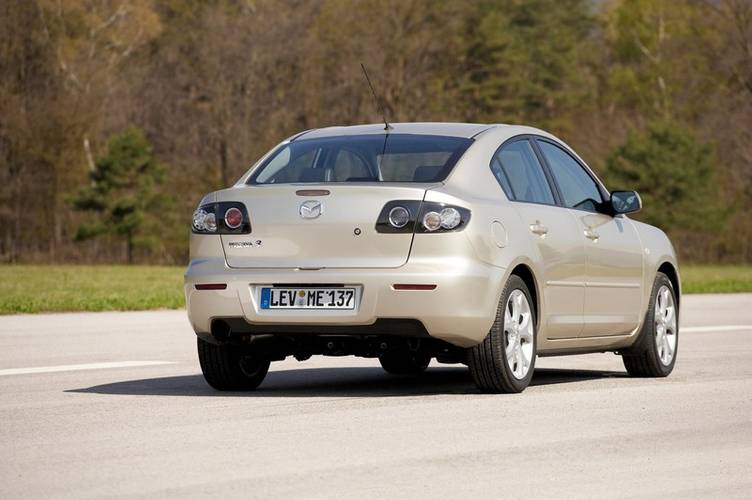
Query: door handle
<point x="538" y="228"/>
<point x="591" y="235"/>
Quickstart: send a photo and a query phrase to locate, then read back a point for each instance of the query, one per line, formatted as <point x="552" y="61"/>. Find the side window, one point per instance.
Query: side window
<point x="578" y="189"/>
<point x="520" y="175"/>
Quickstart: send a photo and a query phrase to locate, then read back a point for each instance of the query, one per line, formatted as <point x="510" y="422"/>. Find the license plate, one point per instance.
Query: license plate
<point x="308" y="298"/>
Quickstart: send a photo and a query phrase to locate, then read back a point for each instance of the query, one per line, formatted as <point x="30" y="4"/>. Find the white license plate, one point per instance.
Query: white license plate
<point x="307" y="298"/>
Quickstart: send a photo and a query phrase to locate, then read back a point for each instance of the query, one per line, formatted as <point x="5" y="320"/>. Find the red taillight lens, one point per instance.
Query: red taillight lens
<point x="233" y="218"/>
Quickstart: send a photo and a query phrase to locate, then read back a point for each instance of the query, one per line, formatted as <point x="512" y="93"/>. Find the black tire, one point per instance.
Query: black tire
<point x="488" y="362"/>
<point x="643" y="359"/>
<point x="229" y="368"/>
<point x="404" y="363"/>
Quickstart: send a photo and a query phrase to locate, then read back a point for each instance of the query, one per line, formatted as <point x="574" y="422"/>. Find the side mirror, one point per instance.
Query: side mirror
<point x="625" y="202"/>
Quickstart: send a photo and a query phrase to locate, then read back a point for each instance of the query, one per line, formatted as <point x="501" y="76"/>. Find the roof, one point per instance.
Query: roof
<point x="448" y="129"/>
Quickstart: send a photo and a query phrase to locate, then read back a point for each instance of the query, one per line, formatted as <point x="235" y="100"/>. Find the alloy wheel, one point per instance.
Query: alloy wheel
<point x="665" y="325"/>
<point x="518" y="334"/>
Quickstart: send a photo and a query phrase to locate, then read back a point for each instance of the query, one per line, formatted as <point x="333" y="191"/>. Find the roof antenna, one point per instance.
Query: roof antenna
<point x="376" y="99"/>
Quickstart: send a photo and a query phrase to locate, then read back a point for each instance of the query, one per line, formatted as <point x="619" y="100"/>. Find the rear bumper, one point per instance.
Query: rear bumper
<point x="459" y="310"/>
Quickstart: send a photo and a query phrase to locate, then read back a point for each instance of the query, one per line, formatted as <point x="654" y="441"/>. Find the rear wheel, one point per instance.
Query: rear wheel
<point x="505" y="360"/>
<point x="654" y="354"/>
<point x="229" y="368"/>
<point x="404" y="363"/>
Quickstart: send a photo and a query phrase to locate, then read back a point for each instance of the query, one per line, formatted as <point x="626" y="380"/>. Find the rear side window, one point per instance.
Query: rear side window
<point x="578" y="189"/>
<point x="520" y="174"/>
<point x="363" y="158"/>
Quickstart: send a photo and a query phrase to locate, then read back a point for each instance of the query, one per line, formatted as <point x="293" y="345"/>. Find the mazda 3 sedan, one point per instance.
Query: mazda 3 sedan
<point x="487" y="245"/>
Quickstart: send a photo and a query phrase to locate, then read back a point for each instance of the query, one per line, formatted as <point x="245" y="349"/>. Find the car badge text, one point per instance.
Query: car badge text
<point x="244" y="244"/>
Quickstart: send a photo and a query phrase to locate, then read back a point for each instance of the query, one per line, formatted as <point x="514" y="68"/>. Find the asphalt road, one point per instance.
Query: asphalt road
<point x="113" y="404"/>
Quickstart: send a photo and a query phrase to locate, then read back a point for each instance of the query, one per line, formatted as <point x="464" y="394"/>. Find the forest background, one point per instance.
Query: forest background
<point x="117" y="116"/>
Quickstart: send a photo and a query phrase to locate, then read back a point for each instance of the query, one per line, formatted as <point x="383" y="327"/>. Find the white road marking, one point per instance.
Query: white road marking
<point x="87" y="366"/>
<point x="723" y="328"/>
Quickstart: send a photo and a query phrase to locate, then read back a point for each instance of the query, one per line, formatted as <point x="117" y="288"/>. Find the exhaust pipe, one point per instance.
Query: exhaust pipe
<point x="220" y="330"/>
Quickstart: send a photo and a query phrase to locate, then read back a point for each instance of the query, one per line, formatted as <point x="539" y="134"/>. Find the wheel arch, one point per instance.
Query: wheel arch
<point x="672" y="273"/>
<point x="525" y="273"/>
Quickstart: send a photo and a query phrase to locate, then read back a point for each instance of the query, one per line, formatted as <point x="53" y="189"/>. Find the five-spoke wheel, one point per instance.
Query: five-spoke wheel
<point x="518" y="334"/>
<point x="654" y="353"/>
<point x="665" y="325"/>
<point x="505" y="360"/>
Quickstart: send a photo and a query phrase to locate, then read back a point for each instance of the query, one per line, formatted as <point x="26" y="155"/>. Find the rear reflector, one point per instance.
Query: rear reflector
<point x="211" y="286"/>
<point x="404" y="286"/>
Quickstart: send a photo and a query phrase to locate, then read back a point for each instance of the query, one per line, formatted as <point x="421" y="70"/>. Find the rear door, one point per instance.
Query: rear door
<point x="554" y="231"/>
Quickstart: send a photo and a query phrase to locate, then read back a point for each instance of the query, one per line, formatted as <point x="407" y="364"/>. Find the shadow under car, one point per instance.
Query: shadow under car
<point x="338" y="382"/>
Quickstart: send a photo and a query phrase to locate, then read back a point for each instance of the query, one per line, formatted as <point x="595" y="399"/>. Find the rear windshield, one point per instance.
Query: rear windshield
<point x="363" y="158"/>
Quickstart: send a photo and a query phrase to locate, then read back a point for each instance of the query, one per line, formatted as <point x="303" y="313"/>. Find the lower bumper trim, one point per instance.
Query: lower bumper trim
<point x="382" y="326"/>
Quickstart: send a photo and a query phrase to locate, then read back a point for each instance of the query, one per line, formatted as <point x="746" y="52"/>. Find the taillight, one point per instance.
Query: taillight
<point x="226" y="217"/>
<point x="431" y="221"/>
<point x="399" y="217"/>
<point x="407" y="216"/>
<point x="233" y="218"/>
<point x="448" y="218"/>
<point x="442" y="218"/>
<point x="204" y="220"/>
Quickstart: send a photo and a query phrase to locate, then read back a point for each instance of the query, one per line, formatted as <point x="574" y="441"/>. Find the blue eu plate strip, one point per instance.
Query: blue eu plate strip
<point x="265" y="296"/>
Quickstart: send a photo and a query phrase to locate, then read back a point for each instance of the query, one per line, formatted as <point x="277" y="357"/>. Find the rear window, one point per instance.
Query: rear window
<point x="363" y="158"/>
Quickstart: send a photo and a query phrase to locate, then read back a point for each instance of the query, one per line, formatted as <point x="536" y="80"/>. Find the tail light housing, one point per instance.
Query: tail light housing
<point x="414" y="216"/>
<point x="225" y="217"/>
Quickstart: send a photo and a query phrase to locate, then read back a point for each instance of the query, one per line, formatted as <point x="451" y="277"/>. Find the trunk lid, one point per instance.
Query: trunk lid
<point x="283" y="238"/>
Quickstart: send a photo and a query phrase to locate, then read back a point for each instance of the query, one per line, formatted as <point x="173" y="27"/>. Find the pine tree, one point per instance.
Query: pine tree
<point x="123" y="191"/>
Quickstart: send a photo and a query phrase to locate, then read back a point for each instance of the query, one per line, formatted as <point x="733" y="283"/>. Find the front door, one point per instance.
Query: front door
<point x="613" y="292"/>
<point x="613" y="252"/>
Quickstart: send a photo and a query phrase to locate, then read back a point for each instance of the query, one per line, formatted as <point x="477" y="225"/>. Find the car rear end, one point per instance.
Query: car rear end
<point x="342" y="239"/>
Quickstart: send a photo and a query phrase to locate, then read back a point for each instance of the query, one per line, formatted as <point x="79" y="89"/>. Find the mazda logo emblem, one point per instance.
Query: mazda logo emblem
<point x="311" y="209"/>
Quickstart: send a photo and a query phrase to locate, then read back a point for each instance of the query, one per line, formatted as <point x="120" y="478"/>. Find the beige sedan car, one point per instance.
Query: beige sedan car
<point x="487" y="245"/>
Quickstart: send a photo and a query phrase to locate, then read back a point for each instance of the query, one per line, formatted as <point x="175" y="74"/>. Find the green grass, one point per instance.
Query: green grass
<point x="716" y="279"/>
<point x="30" y="289"/>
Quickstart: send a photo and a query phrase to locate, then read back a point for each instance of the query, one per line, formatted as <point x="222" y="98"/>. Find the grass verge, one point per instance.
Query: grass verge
<point x="30" y="289"/>
<point x="716" y="279"/>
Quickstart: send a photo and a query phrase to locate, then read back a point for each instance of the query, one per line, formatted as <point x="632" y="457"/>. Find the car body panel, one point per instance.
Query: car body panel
<point x="561" y="267"/>
<point x="465" y="323"/>
<point x="614" y="274"/>
<point x="282" y="238"/>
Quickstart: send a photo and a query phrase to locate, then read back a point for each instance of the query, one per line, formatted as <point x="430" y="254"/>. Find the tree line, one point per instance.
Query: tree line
<point x="116" y="116"/>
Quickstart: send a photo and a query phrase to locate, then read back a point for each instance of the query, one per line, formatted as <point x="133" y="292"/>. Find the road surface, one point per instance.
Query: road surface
<point x="113" y="404"/>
